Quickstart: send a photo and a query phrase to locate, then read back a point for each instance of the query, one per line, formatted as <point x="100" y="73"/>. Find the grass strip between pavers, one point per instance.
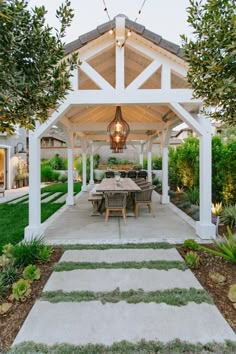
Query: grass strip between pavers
<point x="175" y="297"/>
<point x="162" y="265"/>
<point x="124" y="347"/>
<point x="157" y="245"/>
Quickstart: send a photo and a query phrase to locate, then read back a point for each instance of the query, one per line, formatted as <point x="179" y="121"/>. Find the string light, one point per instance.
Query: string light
<point x="108" y="15"/>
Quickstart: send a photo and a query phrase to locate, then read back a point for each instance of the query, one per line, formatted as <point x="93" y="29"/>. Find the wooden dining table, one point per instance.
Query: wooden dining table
<point x="117" y="185"/>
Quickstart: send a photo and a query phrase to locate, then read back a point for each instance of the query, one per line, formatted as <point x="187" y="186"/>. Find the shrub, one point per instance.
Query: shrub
<point x="96" y="159"/>
<point x="63" y="178"/>
<point x="112" y="160"/>
<point x="9" y="275"/>
<point x="46" y="173"/>
<point x="228" y="216"/>
<point x="225" y="248"/>
<point x="137" y="167"/>
<point x="191" y="244"/>
<point x="31" y="273"/>
<point x="29" y="252"/>
<point x="57" y="162"/>
<point x="192" y="194"/>
<point x="192" y="260"/>
<point x="21" y="290"/>
<point x="157" y="162"/>
<point x="156" y="182"/>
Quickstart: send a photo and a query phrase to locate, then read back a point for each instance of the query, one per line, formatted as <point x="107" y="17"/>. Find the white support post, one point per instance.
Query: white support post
<point x="141" y="155"/>
<point x="91" y="164"/>
<point x="84" y="168"/>
<point x="165" y="199"/>
<point x="70" y="180"/>
<point x="204" y="228"/>
<point x="120" y="52"/>
<point x="33" y="230"/>
<point x="149" y="166"/>
<point x="75" y="79"/>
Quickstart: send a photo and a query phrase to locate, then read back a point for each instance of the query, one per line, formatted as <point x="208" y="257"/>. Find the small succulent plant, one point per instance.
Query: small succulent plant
<point x="192" y="260"/>
<point x="21" y="290"/>
<point x="232" y="293"/>
<point x="4" y="261"/>
<point x="5" y="307"/>
<point x="191" y="244"/>
<point x="31" y="273"/>
<point x="217" y="277"/>
<point x="7" y="250"/>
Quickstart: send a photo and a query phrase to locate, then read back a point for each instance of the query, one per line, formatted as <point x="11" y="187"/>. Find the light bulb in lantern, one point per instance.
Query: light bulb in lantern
<point x="118" y="127"/>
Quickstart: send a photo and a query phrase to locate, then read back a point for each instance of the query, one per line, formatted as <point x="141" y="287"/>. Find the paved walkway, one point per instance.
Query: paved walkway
<point x="80" y="322"/>
<point x="76" y="225"/>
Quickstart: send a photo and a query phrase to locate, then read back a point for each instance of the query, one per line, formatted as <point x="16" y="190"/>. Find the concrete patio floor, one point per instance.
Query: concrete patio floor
<point x="75" y="225"/>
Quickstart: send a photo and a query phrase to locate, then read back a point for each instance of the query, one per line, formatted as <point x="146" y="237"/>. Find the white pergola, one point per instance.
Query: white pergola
<point x="145" y="75"/>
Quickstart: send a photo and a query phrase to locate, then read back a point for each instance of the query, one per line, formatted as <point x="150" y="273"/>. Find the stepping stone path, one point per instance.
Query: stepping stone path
<point x="81" y="323"/>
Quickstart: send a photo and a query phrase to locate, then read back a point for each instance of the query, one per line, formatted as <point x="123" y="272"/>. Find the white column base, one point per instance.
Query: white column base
<point x="205" y="231"/>
<point x="165" y="199"/>
<point x="91" y="182"/>
<point x="84" y="189"/>
<point x="70" y="200"/>
<point x="32" y="232"/>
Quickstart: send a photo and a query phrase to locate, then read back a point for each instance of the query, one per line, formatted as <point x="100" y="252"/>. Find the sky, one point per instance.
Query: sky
<point x="167" y="18"/>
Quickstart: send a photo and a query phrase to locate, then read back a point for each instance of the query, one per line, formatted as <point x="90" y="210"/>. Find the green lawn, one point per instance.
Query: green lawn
<point x="14" y="217"/>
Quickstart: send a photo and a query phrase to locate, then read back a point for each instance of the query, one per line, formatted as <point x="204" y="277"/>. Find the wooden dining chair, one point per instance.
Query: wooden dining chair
<point x="143" y="197"/>
<point x="115" y="201"/>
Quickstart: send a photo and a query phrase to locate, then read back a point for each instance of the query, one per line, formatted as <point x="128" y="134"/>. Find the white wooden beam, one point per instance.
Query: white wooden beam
<point x="165" y="77"/>
<point x="95" y="76"/>
<point x="83" y="127"/>
<point x="106" y="137"/>
<point x="186" y="117"/>
<point x="91" y="52"/>
<point x="143" y="96"/>
<point x="145" y="75"/>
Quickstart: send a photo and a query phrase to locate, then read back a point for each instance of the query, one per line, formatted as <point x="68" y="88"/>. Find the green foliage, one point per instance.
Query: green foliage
<point x="34" y="76"/>
<point x="4" y="261"/>
<point x="175" y="296"/>
<point x="156" y="162"/>
<point x="156" y="245"/>
<point x="29" y="252"/>
<point x="31" y="273"/>
<point x="225" y="247"/>
<point x="96" y="159"/>
<point x="21" y="290"/>
<point x="5" y="307"/>
<point x="57" y="162"/>
<point x="124" y="347"/>
<point x="78" y="163"/>
<point x="125" y="162"/>
<point x="163" y="265"/>
<point x="44" y="253"/>
<point x="156" y="182"/>
<point x="191" y="244"/>
<point x="60" y="187"/>
<point x="9" y="274"/>
<point x="137" y="167"/>
<point x="48" y="175"/>
<point x="192" y="260"/>
<point x="232" y="293"/>
<point x="228" y="215"/>
<point x="211" y="55"/>
<point x="7" y="250"/>
<point x="192" y="195"/>
<point x="63" y="178"/>
<point x="112" y="160"/>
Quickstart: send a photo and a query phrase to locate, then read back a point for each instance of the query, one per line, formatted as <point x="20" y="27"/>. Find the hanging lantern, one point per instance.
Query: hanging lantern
<point x="118" y="131"/>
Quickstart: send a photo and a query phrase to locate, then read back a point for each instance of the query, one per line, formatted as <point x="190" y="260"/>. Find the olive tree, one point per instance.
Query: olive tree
<point x="211" y="55"/>
<point x="34" y="75"/>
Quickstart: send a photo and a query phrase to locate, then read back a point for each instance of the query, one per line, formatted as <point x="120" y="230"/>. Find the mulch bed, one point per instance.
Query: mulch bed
<point x="219" y="292"/>
<point x="11" y="323"/>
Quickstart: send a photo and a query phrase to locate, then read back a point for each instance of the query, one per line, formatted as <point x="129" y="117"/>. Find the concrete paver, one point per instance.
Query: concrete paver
<point x="92" y="322"/>
<point x="121" y="255"/>
<point x="125" y="279"/>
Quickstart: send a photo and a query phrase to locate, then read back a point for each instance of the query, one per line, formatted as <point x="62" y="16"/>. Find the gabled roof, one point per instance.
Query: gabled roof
<point x="130" y="25"/>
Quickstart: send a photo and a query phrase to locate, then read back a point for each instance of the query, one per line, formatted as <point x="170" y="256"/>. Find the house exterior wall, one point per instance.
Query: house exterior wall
<point x="8" y="143"/>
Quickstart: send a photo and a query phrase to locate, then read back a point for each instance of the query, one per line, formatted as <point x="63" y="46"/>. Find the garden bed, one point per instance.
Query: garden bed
<point x="12" y="321"/>
<point x="218" y="291"/>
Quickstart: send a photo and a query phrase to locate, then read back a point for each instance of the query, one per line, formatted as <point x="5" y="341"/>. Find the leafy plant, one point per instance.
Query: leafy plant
<point x="225" y="248"/>
<point x="228" y="216"/>
<point x="192" y="260"/>
<point x="7" y="250"/>
<point x="4" y="261"/>
<point x="9" y="275"/>
<point x="217" y="277"/>
<point x="192" y="194"/>
<point x="112" y="160"/>
<point x="57" y="162"/>
<point x="156" y="162"/>
<point x="216" y="209"/>
<point x="232" y="293"/>
<point x="29" y="252"/>
<point x="31" y="273"/>
<point x="5" y="307"/>
<point x="3" y="289"/>
<point x="137" y="167"/>
<point x="191" y="244"/>
<point x="21" y="290"/>
<point x="63" y="178"/>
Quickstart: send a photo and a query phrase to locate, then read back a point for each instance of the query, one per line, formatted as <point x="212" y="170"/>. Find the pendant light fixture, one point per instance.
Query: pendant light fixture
<point x="118" y="131"/>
